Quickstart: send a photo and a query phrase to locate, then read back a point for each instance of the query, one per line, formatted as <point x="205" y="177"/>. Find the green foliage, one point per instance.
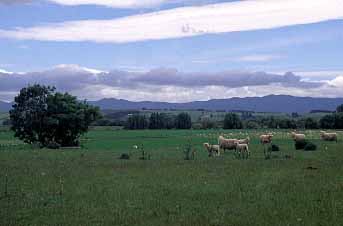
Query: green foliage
<point x="137" y="122"/>
<point x="157" y="121"/>
<point x="311" y="123"/>
<point x="52" y="119"/>
<point x="338" y="120"/>
<point x="252" y="124"/>
<point x="328" y="122"/>
<point x="286" y="123"/>
<point x="183" y="121"/>
<point x="310" y="147"/>
<point x="207" y="123"/>
<point x="340" y="108"/>
<point x="300" y="145"/>
<point x="232" y="121"/>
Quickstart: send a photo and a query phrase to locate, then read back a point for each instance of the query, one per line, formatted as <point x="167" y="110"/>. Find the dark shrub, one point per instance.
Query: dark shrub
<point x="124" y="156"/>
<point x="300" y="145"/>
<point x="273" y="148"/>
<point x="310" y="147"/>
<point x="53" y="145"/>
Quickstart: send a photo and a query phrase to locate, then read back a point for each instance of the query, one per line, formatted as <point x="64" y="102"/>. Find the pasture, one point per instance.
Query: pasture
<point x="92" y="186"/>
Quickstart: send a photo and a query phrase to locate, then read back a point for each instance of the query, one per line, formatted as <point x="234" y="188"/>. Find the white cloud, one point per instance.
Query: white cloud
<point x="113" y="3"/>
<point x="257" y="58"/>
<point x="5" y="72"/>
<point x="337" y="82"/>
<point x="166" y="84"/>
<point x="187" y="21"/>
<point x="74" y="68"/>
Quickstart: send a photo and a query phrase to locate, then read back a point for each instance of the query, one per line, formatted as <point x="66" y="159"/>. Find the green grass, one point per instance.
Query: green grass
<point x="91" y="186"/>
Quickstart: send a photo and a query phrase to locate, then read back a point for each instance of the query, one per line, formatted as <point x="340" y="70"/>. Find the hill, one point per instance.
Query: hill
<point x="272" y="103"/>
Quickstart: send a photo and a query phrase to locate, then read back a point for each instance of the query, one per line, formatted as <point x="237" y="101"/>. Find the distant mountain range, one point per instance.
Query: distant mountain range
<point x="272" y="103"/>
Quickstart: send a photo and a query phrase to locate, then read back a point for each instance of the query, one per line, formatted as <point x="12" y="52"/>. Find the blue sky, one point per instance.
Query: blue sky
<point x="48" y="36"/>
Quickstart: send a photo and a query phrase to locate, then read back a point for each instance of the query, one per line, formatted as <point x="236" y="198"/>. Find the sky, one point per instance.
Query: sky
<point x="172" y="50"/>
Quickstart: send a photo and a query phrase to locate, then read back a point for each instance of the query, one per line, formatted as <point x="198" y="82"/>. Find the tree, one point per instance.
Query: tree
<point x="41" y="115"/>
<point x="339" y="109"/>
<point x="156" y="121"/>
<point x="207" y="122"/>
<point x="136" y="122"/>
<point x="328" y="122"/>
<point x="338" y="120"/>
<point x="183" y="121"/>
<point x="232" y="121"/>
<point x="311" y="123"/>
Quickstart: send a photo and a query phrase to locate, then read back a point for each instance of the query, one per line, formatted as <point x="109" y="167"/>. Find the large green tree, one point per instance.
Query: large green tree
<point x="42" y="115"/>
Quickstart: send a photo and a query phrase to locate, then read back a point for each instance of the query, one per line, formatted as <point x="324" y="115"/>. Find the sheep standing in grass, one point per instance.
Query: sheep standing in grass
<point x="213" y="150"/>
<point x="298" y="137"/>
<point x="266" y="138"/>
<point x="328" y="136"/>
<point x="244" y="141"/>
<point x="242" y="149"/>
<point x="227" y="144"/>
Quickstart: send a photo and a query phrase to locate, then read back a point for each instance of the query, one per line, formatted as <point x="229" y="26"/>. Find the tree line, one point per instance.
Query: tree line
<point x="234" y="121"/>
<point x="159" y="121"/>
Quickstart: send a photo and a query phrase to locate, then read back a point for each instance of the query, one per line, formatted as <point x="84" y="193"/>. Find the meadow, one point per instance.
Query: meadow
<point x="92" y="186"/>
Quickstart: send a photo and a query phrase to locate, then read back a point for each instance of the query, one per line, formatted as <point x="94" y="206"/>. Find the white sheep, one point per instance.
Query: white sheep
<point x="244" y="141"/>
<point x="242" y="149"/>
<point x="266" y="138"/>
<point x="298" y="136"/>
<point x="328" y="136"/>
<point x="213" y="150"/>
<point x="226" y="144"/>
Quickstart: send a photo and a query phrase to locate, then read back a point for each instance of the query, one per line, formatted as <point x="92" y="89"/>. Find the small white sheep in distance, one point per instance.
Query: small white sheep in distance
<point x="328" y="136"/>
<point x="266" y="138"/>
<point x="242" y="149"/>
<point x="298" y="136"/>
<point x="244" y="141"/>
<point x="212" y="149"/>
<point x="227" y="144"/>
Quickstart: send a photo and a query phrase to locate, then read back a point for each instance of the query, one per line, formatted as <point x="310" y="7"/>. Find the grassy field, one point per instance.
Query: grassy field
<point x="91" y="186"/>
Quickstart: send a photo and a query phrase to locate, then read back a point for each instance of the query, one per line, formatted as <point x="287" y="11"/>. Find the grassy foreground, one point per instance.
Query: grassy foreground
<point x="91" y="186"/>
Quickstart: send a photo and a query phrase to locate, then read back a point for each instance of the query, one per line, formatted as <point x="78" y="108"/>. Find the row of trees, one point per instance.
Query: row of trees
<point x="233" y="121"/>
<point x="159" y="121"/>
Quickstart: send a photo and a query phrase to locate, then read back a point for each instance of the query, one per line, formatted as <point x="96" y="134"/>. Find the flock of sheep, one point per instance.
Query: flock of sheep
<point x="241" y="146"/>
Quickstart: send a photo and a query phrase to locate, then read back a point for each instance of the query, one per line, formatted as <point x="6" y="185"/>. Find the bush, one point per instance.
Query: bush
<point x="53" y="145"/>
<point x="125" y="156"/>
<point x="310" y="147"/>
<point x="300" y="145"/>
<point x="273" y="148"/>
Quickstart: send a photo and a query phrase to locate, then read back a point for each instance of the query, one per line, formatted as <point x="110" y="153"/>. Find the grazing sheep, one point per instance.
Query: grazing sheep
<point x="242" y="148"/>
<point x="227" y="144"/>
<point x="266" y="138"/>
<point x="244" y="141"/>
<point x="298" y="136"/>
<point x="328" y="136"/>
<point x="212" y="149"/>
